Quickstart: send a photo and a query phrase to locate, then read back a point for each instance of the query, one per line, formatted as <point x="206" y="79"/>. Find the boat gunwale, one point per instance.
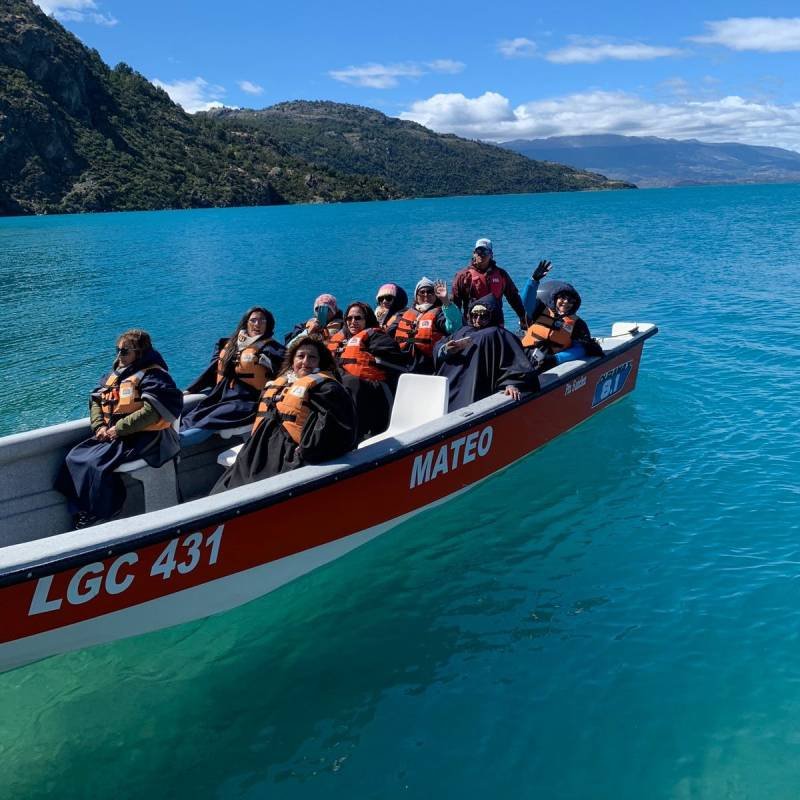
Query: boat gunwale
<point x="40" y="568"/>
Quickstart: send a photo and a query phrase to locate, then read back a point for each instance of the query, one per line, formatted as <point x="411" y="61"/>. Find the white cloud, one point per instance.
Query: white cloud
<point x="723" y="119"/>
<point x="386" y="76"/>
<point x="768" y="34"/>
<point x="193" y="95"/>
<point x="446" y="65"/>
<point x="517" y="48"/>
<point x="376" y="76"/>
<point x="590" y="52"/>
<point x="455" y="112"/>
<point x="250" y="87"/>
<point x="76" y="11"/>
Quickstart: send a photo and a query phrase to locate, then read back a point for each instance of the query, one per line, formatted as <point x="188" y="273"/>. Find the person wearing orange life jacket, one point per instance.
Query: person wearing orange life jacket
<point x="305" y="416"/>
<point x="327" y="321"/>
<point x="429" y="319"/>
<point x="239" y="368"/>
<point x="483" y="277"/>
<point x="556" y="333"/>
<point x="392" y="301"/>
<point x="131" y="413"/>
<point x="371" y="363"/>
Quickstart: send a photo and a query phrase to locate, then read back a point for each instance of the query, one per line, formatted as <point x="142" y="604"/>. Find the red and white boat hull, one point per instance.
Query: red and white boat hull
<point x="160" y="569"/>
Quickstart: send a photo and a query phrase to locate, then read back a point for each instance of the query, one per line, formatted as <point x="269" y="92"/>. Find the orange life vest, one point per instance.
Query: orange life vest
<point x="336" y="343"/>
<point x="418" y="328"/>
<point x="357" y="360"/>
<point x="120" y="398"/>
<point x="290" y="401"/>
<point x="393" y="320"/>
<point x="555" y="333"/>
<point x="246" y="365"/>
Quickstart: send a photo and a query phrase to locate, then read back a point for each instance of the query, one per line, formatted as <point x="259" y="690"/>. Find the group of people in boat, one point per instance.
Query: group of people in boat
<point x="330" y="384"/>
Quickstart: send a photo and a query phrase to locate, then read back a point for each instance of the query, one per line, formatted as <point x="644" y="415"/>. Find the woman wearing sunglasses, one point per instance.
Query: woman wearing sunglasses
<point x="371" y="362"/>
<point x="482" y="358"/>
<point x="239" y="368"/>
<point x="131" y="413"/>
<point x="392" y="301"/>
<point x="556" y="333"/>
<point x="425" y="323"/>
<point x="305" y="416"/>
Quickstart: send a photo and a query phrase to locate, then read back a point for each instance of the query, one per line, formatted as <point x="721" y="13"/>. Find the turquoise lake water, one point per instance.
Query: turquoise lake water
<point x="616" y="617"/>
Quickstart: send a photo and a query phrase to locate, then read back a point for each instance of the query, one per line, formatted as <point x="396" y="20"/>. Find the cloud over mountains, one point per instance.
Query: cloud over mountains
<point x="491" y="117"/>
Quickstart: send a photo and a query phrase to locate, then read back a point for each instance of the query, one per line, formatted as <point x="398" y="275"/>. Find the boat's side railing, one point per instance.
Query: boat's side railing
<point x="38" y="455"/>
<point x="29" y="506"/>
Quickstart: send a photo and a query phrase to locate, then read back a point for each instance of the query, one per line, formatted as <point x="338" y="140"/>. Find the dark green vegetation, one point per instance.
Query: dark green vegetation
<point x="76" y="135"/>
<point x="650" y="161"/>
<point x="410" y="157"/>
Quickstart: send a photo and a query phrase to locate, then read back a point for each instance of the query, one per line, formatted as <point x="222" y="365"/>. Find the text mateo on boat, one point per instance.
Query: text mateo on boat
<point x="166" y="562"/>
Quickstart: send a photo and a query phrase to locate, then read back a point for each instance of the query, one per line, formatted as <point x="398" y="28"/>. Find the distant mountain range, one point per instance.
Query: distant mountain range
<point x="76" y="135"/>
<point x="650" y="161"/>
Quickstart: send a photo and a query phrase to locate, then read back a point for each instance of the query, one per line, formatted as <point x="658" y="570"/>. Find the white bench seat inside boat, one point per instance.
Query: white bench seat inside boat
<point x="227" y="457"/>
<point x="160" y="484"/>
<point x="419" y="399"/>
<point x="242" y="431"/>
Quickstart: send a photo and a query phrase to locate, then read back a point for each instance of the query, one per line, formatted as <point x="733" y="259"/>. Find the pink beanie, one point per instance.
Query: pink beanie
<point x="387" y="289"/>
<point x="326" y="300"/>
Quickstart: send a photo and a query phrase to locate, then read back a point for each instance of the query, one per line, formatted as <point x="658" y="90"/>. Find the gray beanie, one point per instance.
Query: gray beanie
<point x="423" y="283"/>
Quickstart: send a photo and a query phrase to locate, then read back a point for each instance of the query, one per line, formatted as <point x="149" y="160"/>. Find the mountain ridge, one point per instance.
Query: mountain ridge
<point x="77" y="135"/>
<point x="651" y="161"/>
<point x="419" y="162"/>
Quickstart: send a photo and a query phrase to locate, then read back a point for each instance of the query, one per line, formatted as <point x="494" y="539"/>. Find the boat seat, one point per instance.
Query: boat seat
<point x="160" y="484"/>
<point x="227" y="457"/>
<point x="242" y="431"/>
<point x="419" y="399"/>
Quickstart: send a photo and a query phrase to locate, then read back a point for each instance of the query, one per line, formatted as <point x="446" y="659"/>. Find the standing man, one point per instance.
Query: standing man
<point x="483" y="277"/>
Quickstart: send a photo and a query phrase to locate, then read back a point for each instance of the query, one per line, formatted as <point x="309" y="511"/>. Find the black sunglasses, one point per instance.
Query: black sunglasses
<point x="481" y="251"/>
<point x="389" y="297"/>
<point x="353" y="319"/>
<point x="123" y="351"/>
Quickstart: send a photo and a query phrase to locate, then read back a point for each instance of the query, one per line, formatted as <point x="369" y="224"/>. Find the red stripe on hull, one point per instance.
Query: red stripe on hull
<point x="350" y="505"/>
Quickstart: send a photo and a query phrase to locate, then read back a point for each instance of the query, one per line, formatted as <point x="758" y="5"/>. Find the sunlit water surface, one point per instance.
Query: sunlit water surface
<point x="615" y="617"/>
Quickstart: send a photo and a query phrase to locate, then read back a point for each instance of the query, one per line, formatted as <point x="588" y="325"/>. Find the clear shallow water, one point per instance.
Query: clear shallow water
<point x="615" y="617"/>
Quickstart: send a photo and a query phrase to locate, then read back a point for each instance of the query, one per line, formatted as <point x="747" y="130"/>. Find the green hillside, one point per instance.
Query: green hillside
<point x="78" y="136"/>
<point x="410" y="157"/>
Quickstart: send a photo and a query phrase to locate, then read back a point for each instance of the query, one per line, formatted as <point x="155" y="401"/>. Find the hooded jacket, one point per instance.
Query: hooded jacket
<point x="546" y="299"/>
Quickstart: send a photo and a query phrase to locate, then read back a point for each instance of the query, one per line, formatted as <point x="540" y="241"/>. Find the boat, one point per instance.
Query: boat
<point x="165" y="562"/>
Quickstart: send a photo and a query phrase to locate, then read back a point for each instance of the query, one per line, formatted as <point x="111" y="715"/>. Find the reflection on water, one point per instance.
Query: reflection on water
<point x="614" y="617"/>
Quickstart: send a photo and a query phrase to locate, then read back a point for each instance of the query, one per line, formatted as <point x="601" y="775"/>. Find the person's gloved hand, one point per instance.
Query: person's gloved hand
<point x="542" y="269"/>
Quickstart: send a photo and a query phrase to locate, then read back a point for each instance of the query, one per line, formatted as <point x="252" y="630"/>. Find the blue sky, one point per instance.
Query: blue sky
<point x="490" y="70"/>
